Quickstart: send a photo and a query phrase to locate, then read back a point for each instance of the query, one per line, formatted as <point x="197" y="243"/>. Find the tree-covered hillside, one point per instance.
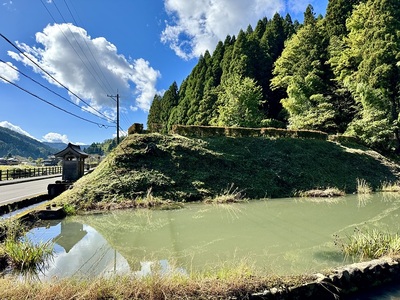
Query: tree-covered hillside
<point x="102" y="148"/>
<point x="339" y="73"/>
<point x="16" y="144"/>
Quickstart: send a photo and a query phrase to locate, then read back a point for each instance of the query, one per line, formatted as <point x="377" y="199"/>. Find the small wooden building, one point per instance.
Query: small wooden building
<point x="73" y="162"/>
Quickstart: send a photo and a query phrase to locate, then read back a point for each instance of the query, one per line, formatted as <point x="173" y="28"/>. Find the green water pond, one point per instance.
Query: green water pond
<point x="279" y="236"/>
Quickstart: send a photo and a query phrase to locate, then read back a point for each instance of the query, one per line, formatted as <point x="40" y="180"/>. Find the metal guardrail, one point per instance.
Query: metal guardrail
<point x="17" y="173"/>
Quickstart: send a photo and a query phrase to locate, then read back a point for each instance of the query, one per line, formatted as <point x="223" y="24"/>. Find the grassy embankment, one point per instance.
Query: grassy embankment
<point x="178" y="168"/>
<point x="147" y="168"/>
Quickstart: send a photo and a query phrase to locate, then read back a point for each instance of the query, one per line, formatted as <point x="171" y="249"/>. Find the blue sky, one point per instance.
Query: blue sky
<point x="90" y="49"/>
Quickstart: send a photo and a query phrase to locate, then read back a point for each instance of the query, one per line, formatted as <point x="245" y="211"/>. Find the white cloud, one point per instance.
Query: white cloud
<point x="299" y="6"/>
<point x="53" y="137"/>
<point x="15" y="128"/>
<point x="7" y="71"/>
<point x="92" y="68"/>
<point x="199" y="25"/>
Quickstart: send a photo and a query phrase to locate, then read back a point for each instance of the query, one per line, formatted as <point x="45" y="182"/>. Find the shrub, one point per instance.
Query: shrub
<point x="135" y="128"/>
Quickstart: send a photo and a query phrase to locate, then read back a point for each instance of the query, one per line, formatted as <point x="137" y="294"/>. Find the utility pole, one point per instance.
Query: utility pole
<point x="117" y="97"/>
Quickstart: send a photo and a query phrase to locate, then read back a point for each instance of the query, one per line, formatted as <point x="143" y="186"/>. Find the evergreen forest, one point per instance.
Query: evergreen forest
<point x="338" y="73"/>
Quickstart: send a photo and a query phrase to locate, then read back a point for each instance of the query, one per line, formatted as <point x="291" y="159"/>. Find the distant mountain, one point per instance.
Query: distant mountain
<point x="57" y="146"/>
<point x="62" y="146"/>
<point x="16" y="144"/>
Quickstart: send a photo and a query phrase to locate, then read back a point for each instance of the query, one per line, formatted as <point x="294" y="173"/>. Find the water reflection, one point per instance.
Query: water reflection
<point x="282" y="236"/>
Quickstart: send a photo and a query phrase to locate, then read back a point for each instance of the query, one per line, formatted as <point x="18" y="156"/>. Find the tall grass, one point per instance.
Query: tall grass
<point x="369" y="244"/>
<point x="363" y="187"/>
<point x="231" y="194"/>
<point x="25" y="257"/>
<point x="22" y="254"/>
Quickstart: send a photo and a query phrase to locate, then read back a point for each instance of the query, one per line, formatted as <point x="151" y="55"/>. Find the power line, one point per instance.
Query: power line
<point x="102" y="78"/>
<point x="90" y="50"/>
<point x="48" y="89"/>
<point x="117" y="96"/>
<point x="72" y="46"/>
<point x="40" y="98"/>
<point x="52" y="77"/>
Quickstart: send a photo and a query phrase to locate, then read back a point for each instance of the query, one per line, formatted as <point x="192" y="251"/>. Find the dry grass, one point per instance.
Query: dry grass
<point x="327" y="193"/>
<point x="235" y="284"/>
<point x="363" y="187"/>
<point x="231" y="194"/>
<point x="390" y="187"/>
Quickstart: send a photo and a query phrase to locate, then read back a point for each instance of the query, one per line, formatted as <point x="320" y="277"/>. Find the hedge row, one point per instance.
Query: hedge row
<point x="211" y="131"/>
<point x="345" y="139"/>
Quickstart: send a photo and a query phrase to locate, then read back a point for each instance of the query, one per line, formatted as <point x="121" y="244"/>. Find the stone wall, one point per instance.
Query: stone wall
<point x="211" y="131"/>
<point x="341" y="282"/>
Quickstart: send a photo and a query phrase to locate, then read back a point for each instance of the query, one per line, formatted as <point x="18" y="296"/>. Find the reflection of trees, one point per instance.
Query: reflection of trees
<point x="136" y="235"/>
<point x="182" y="237"/>
<point x="199" y="235"/>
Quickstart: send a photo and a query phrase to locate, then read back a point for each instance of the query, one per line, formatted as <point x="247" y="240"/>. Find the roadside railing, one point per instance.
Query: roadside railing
<point x="17" y="173"/>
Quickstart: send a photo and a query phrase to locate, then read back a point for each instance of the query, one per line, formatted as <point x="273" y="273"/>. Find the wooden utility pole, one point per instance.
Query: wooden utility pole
<point x="117" y="98"/>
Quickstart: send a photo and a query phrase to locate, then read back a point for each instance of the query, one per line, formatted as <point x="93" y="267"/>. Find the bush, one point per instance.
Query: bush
<point x="135" y="128"/>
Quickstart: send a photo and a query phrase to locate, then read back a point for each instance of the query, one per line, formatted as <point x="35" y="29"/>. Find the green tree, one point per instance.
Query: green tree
<point x="39" y="162"/>
<point x="272" y="43"/>
<point x="239" y="100"/>
<point x="154" y="122"/>
<point x="368" y="65"/>
<point x="302" y="71"/>
<point x="309" y="16"/>
<point x="337" y="13"/>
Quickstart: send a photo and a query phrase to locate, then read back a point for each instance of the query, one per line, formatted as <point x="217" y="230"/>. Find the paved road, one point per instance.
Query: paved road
<point x="11" y="193"/>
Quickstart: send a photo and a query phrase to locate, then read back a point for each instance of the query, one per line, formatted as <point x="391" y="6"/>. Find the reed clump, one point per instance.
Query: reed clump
<point x="391" y="187"/>
<point x="19" y="252"/>
<point x="369" y="244"/>
<point x="231" y="194"/>
<point x="363" y="187"/>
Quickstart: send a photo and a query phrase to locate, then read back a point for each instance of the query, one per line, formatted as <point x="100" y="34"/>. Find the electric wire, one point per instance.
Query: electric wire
<point x="101" y="84"/>
<point x="128" y="122"/>
<point x="50" y="90"/>
<point x="48" y="102"/>
<point x="98" y="78"/>
<point x="90" y="50"/>
<point x="52" y="77"/>
<point x="84" y="53"/>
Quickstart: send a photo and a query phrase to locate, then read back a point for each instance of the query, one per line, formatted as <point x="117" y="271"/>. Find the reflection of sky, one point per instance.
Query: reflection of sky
<point x="91" y="256"/>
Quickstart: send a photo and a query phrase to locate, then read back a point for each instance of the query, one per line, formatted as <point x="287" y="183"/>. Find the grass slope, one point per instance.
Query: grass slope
<point x="186" y="169"/>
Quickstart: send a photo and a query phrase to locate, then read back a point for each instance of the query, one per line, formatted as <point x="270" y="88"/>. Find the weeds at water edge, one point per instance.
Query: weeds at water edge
<point x="21" y="253"/>
<point x="363" y="187"/>
<point x="369" y="244"/>
<point x="390" y="187"/>
<point x="231" y="194"/>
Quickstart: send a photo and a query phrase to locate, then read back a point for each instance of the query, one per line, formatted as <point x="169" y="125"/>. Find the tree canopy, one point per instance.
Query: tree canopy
<point x="338" y="73"/>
